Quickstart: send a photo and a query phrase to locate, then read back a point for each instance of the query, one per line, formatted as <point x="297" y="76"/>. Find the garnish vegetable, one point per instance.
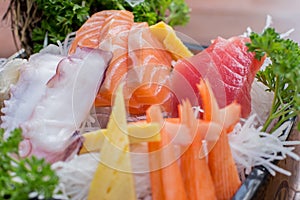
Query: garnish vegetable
<point x="23" y="177"/>
<point x="282" y="76"/>
<point x="173" y="12"/>
<point x="67" y="15"/>
<point x="35" y="20"/>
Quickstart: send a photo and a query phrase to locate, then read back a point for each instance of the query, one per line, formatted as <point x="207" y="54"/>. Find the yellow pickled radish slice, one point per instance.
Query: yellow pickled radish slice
<point x="138" y="132"/>
<point x="166" y="35"/>
<point x="113" y="178"/>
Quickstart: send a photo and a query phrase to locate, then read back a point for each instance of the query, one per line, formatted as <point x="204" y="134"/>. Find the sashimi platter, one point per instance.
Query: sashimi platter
<point x="126" y="110"/>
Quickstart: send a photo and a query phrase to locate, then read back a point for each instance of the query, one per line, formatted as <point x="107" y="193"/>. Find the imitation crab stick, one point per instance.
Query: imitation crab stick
<point x="226" y="117"/>
<point x="165" y="175"/>
<point x="221" y="163"/>
<point x="196" y="173"/>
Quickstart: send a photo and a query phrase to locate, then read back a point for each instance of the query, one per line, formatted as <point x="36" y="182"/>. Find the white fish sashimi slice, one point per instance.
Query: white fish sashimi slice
<point x="66" y="104"/>
<point x="29" y="89"/>
<point x="9" y="75"/>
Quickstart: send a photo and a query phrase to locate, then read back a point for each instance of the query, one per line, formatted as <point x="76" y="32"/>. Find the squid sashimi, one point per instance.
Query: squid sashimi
<point x="228" y="67"/>
<point x="63" y="104"/>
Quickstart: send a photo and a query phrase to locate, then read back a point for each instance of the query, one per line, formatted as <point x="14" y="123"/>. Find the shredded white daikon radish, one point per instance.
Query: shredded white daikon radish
<point x="75" y="175"/>
<point x="251" y="147"/>
<point x="260" y="106"/>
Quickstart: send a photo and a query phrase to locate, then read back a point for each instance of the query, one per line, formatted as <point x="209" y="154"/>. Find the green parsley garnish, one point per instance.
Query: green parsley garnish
<point x="21" y="177"/>
<point x="57" y="18"/>
<point x="281" y="77"/>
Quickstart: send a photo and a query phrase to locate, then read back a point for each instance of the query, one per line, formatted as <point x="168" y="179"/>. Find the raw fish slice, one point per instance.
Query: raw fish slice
<point x="29" y="89"/>
<point x="149" y="68"/>
<point x="107" y="30"/>
<point x="237" y="78"/>
<point x="114" y="38"/>
<point x="139" y="59"/>
<point x="228" y="67"/>
<point x="68" y="98"/>
<point x="89" y="33"/>
<point x="144" y="48"/>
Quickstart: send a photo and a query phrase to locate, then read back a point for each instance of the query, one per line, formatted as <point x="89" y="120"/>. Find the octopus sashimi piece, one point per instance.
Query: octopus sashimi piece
<point x="28" y="91"/>
<point x="228" y="67"/>
<point x="50" y="132"/>
<point x="148" y="71"/>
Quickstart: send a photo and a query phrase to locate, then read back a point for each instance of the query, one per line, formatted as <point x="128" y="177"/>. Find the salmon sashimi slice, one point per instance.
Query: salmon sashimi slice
<point x="107" y="30"/>
<point x="228" y="67"/>
<point x="89" y="33"/>
<point x="114" y="38"/>
<point x="149" y="68"/>
<point x="139" y="59"/>
<point x="165" y="175"/>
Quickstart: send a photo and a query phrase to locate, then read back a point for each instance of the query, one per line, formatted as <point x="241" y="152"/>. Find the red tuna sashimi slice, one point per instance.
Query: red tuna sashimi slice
<point x="228" y="67"/>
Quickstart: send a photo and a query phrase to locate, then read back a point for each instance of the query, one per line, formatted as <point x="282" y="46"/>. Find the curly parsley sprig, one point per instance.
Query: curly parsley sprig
<point x="282" y="76"/>
<point x="21" y="177"/>
<point x="173" y="12"/>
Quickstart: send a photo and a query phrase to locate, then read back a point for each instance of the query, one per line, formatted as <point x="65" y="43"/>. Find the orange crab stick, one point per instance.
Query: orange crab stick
<point x="227" y="117"/>
<point x="196" y="174"/>
<point x="221" y="164"/>
<point x="165" y="175"/>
